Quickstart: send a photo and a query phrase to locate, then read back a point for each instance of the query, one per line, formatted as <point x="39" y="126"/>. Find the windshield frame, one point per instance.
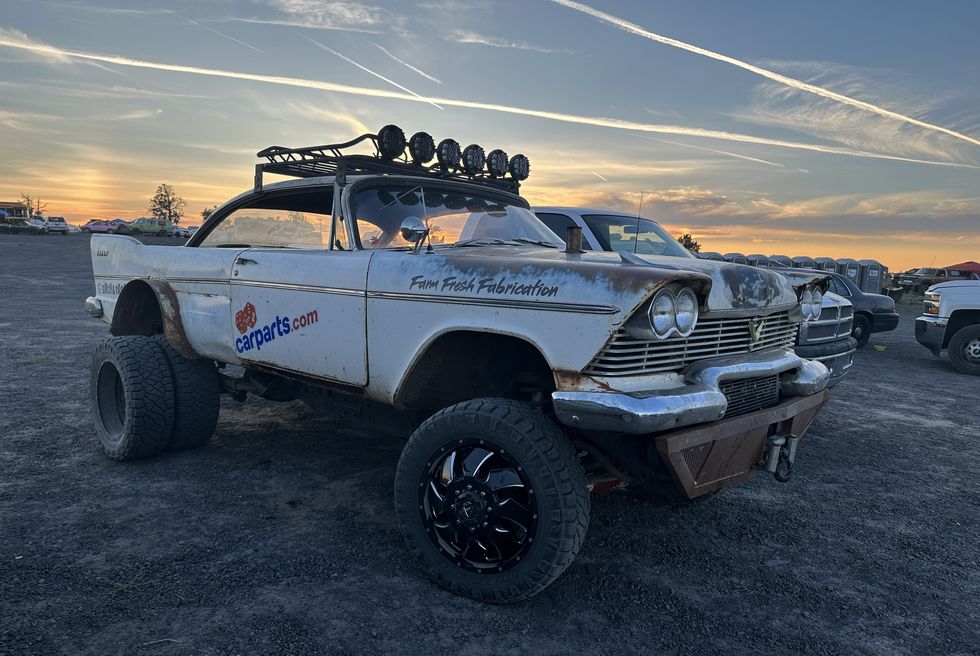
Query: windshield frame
<point x="395" y="180"/>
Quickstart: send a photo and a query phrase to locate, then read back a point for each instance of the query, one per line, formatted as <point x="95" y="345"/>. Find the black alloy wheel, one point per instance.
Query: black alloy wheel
<point x="477" y="507"/>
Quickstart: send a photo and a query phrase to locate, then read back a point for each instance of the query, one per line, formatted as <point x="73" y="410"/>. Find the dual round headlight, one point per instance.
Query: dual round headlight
<point x="673" y="311"/>
<point x="810" y="303"/>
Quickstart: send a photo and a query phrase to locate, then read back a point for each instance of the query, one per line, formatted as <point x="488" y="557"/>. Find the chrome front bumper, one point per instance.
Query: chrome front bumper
<point x="699" y="400"/>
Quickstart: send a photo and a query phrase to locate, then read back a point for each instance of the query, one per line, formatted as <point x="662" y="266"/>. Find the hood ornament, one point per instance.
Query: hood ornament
<point x="755" y="330"/>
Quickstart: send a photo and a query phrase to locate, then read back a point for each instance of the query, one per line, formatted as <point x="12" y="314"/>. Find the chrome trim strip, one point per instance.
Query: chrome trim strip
<point x="298" y="288"/>
<point x="498" y="302"/>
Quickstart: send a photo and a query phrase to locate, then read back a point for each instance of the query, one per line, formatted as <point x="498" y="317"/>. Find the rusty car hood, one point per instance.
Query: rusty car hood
<point x="735" y="287"/>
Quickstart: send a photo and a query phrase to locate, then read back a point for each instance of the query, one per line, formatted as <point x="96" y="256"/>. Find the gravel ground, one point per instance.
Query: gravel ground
<point x="279" y="537"/>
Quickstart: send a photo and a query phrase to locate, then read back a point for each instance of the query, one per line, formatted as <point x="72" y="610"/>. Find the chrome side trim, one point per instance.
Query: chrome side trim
<point x="298" y="288"/>
<point x="700" y="400"/>
<point x="497" y="302"/>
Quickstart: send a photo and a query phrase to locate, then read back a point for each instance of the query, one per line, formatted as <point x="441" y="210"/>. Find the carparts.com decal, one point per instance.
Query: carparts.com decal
<point x="255" y="337"/>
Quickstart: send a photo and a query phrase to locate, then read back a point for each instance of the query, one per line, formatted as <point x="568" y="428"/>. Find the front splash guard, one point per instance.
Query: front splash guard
<point x="722" y="453"/>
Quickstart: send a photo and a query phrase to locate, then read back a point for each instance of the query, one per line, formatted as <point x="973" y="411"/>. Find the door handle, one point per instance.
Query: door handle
<point x="245" y="260"/>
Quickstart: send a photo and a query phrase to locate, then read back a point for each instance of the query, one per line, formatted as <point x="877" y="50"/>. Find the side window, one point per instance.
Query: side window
<point x="285" y="220"/>
<point x="838" y="287"/>
<point x="559" y="224"/>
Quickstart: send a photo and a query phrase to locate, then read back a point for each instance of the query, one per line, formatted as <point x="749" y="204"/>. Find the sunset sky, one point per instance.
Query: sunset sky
<point x="820" y="128"/>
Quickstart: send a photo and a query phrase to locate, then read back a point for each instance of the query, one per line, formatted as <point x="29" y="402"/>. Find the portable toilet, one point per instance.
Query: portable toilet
<point x="826" y="264"/>
<point x="850" y="269"/>
<point x="711" y="255"/>
<point x="758" y="260"/>
<point x="803" y="262"/>
<point x="870" y="276"/>
<point x="781" y="260"/>
<point x="735" y="258"/>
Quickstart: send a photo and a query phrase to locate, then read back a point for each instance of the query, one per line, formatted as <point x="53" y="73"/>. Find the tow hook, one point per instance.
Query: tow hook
<point x="780" y="454"/>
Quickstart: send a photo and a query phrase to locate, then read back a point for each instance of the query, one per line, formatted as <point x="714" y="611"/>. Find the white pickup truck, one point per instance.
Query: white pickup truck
<point x="951" y="320"/>
<point x="379" y="286"/>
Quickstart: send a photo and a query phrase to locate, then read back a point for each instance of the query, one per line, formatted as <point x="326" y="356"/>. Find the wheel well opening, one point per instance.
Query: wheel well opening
<point x="137" y="311"/>
<point x="464" y="365"/>
<point x="958" y="320"/>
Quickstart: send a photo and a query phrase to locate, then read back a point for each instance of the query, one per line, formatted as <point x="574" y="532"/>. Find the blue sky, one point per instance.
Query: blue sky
<point x="795" y="173"/>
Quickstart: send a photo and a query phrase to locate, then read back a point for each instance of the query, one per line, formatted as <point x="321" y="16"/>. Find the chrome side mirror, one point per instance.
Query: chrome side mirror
<point x="414" y="231"/>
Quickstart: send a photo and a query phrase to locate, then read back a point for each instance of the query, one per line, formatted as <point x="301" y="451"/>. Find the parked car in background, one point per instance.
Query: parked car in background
<point x="181" y="232"/>
<point x="825" y="336"/>
<point x="103" y="226"/>
<point x="151" y="226"/>
<point x="38" y="222"/>
<point x="10" y="225"/>
<point x="56" y="225"/>
<point x="925" y="277"/>
<point x="873" y="313"/>
<point x="951" y="320"/>
<point x="72" y="228"/>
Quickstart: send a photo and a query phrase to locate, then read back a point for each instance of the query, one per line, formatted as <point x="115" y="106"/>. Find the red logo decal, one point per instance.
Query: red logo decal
<point x="245" y="318"/>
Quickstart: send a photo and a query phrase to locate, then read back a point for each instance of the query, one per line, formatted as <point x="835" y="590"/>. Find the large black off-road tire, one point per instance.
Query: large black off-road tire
<point x="492" y="499"/>
<point x="861" y="330"/>
<point x="197" y="393"/>
<point x="132" y="395"/>
<point x="964" y="350"/>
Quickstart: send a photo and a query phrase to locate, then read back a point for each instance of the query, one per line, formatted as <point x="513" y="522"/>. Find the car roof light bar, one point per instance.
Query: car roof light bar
<point x="393" y="155"/>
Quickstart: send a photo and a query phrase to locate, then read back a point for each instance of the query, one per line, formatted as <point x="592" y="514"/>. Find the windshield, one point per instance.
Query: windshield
<point x="927" y="272"/>
<point x="454" y="216"/>
<point x="633" y="234"/>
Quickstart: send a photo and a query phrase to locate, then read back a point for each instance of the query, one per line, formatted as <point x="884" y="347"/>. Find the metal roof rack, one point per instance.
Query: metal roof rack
<point x="330" y="159"/>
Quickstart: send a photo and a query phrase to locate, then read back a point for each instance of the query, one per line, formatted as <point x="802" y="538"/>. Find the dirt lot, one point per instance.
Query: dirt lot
<point x="279" y="537"/>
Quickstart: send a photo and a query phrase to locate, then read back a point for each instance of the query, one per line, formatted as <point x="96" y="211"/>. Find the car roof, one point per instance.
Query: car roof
<point x="583" y="210"/>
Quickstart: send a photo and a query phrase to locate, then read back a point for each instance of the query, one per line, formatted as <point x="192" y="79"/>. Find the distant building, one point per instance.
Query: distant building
<point x="15" y="210"/>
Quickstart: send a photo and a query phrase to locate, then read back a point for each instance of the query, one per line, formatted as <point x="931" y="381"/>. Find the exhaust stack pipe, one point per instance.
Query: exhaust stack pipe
<point x="573" y="240"/>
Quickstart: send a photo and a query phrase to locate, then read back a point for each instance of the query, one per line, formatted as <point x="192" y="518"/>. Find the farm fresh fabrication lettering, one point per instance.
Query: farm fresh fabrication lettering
<point x="281" y="326"/>
<point x="488" y="286"/>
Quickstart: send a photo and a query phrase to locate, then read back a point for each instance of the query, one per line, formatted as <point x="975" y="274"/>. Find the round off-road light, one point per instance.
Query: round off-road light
<point x="391" y="141"/>
<point x="806" y="304"/>
<point x="422" y="147"/>
<point x="816" y="308"/>
<point x="497" y="163"/>
<point x="519" y="167"/>
<point x="473" y="159"/>
<point x="686" y="312"/>
<point x="662" y="312"/>
<point x="448" y="154"/>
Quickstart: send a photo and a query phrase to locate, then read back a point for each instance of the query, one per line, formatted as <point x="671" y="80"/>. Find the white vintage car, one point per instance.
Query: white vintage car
<point x="526" y="370"/>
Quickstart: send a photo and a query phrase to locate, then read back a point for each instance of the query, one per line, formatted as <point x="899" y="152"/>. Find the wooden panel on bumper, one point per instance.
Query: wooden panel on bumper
<point x="722" y="453"/>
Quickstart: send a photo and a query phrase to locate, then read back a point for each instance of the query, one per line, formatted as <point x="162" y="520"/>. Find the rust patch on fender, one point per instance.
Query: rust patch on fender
<point x="173" y="327"/>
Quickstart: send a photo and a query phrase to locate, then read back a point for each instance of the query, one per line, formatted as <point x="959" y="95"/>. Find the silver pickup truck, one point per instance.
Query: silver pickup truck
<point x="427" y="297"/>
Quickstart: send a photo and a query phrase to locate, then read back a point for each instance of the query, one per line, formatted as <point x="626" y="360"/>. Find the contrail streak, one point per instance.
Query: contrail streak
<point x="222" y="34"/>
<point x="406" y="64"/>
<point x="725" y="152"/>
<point x="771" y="75"/>
<point x="599" y="176"/>
<point x="377" y="75"/>
<point x="612" y="123"/>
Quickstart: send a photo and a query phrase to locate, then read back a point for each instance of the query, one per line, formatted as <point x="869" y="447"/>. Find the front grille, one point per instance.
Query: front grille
<point x="750" y="394"/>
<point x="625" y="356"/>
<point x="834" y="323"/>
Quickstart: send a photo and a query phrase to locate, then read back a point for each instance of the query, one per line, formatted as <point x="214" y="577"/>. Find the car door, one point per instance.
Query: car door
<point x="297" y="290"/>
<point x="302" y="311"/>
